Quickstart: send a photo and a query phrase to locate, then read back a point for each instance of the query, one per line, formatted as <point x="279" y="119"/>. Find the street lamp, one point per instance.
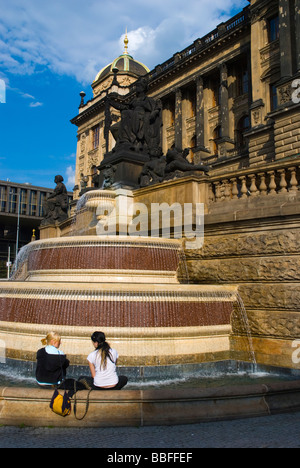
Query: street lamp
<point x="18" y="220"/>
<point x="18" y="223"/>
<point x="8" y="263"/>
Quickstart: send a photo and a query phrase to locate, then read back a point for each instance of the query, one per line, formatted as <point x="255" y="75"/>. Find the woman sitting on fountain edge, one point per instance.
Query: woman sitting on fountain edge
<point x="52" y="363"/>
<point x="103" y="365"/>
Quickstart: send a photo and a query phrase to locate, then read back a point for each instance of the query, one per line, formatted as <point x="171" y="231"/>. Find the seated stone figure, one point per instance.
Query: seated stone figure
<point x="153" y="171"/>
<point x="56" y="205"/>
<point x="177" y="161"/>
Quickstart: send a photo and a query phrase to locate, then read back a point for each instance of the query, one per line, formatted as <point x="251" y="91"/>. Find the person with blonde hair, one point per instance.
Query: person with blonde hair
<point x="52" y="363"/>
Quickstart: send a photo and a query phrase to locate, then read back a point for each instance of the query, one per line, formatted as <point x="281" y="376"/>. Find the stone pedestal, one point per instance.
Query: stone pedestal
<point x="128" y="166"/>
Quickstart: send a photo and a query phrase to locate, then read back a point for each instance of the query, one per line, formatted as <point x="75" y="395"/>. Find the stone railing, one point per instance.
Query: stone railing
<point x="256" y="182"/>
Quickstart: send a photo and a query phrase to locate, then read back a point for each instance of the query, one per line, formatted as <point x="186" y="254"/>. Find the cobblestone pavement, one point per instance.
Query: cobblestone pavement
<point x="280" y="431"/>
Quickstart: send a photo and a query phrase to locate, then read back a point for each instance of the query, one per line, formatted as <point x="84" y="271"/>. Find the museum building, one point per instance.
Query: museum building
<point x="232" y="101"/>
<point x="226" y="97"/>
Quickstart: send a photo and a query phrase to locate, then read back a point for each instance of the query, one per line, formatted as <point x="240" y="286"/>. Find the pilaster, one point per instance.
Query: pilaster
<point x="200" y="152"/>
<point x="178" y="119"/>
<point x="225" y="143"/>
<point x="285" y="41"/>
<point x="297" y="33"/>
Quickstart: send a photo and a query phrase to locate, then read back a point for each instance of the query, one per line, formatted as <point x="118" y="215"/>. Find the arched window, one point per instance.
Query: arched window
<point x="242" y="127"/>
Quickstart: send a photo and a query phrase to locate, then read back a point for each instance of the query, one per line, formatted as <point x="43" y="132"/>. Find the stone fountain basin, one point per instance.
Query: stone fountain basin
<point x="148" y="324"/>
<point x="27" y="406"/>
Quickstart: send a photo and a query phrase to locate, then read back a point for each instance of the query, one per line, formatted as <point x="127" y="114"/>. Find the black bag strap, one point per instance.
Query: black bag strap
<point x="87" y="404"/>
<point x="62" y="372"/>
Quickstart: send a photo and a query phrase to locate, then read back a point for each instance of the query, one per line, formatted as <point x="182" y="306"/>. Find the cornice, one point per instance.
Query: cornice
<point x="221" y="35"/>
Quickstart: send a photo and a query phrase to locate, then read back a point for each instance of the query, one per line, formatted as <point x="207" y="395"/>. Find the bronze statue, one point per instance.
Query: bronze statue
<point x="56" y="205"/>
<point x="153" y="171"/>
<point x="174" y="164"/>
<point x="177" y="161"/>
<point x="139" y="128"/>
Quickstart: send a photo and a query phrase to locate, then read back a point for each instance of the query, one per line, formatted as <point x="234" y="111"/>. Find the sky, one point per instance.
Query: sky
<point x="52" y="50"/>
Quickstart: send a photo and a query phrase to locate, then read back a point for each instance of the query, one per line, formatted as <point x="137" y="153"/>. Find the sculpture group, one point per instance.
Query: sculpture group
<point x="139" y="132"/>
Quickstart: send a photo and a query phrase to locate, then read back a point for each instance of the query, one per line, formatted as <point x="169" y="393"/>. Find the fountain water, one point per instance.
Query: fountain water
<point x="126" y="285"/>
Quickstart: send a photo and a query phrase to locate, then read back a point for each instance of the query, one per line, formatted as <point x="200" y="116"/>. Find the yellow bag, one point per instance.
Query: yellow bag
<point x="61" y="404"/>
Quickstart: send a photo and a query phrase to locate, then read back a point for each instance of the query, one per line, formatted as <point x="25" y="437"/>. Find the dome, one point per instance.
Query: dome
<point x="125" y="63"/>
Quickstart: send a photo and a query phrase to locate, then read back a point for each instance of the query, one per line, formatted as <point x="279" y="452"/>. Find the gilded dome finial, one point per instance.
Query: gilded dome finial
<point x="126" y="43"/>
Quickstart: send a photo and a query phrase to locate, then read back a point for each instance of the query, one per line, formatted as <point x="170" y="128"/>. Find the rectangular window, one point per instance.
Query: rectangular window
<point x="273" y="28"/>
<point x="23" y="201"/>
<point x="273" y="97"/>
<point x="2" y="198"/>
<point x="96" y="137"/>
<point x="32" y="203"/>
<point x="243" y="81"/>
<point x="12" y="200"/>
<point x="41" y="203"/>
<point x="216" y="94"/>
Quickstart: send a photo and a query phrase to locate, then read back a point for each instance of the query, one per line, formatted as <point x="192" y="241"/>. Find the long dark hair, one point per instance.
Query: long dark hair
<point x="103" y="348"/>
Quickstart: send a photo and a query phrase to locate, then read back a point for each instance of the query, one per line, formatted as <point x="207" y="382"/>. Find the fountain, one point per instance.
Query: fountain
<point x="94" y="271"/>
<point x="126" y="285"/>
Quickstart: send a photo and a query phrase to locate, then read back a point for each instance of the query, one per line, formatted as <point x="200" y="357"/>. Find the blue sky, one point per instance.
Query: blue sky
<point x="52" y="50"/>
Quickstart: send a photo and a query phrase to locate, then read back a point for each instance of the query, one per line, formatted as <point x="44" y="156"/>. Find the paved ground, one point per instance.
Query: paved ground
<point x="280" y="431"/>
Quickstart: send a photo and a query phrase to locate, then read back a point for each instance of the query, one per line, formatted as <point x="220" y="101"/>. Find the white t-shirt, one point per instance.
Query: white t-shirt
<point x="104" y="377"/>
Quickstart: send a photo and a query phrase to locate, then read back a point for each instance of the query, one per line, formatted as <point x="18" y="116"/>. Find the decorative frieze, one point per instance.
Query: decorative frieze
<point x="257" y="243"/>
<point x="274" y="324"/>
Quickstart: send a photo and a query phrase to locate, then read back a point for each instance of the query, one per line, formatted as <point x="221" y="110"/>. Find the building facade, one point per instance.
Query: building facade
<point x="224" y="97"/>
<point x="233" y="99"/>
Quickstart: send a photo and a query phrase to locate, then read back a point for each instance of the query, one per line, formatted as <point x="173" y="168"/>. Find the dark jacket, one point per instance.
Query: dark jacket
<point x="51" y="368"/>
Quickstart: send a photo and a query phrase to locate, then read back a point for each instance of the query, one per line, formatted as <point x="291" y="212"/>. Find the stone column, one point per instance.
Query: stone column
<point x="224" y="100"/>
<point x="286" y="59"/>
<point x="199" y="113"/>
<point x="297" y="31"/>
<point x="178" y="119"/>
<point x="200" y="152"/>
<point x="225" y="144"/>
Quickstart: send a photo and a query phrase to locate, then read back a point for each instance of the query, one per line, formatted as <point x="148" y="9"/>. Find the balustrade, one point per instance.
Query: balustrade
<point x="269" y="183"/>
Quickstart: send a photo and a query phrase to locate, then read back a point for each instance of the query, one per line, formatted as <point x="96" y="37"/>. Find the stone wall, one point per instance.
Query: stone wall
<point x="287" y="134"/>
<point x="254" y="243"/>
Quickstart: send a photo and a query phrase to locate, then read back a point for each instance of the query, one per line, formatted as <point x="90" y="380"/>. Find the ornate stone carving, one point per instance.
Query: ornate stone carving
<point x="273" y="325"/>
<point x="285" y="94"/>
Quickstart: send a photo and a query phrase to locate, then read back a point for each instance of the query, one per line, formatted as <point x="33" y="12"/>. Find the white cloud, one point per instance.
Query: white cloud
<point x="35" y="104"/>
<point x="70" y="182"/>
<point x="78" y="41"/>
